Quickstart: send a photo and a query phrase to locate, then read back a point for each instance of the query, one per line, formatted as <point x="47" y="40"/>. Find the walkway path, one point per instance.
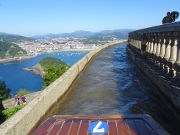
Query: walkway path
<point x="9" y="103"/>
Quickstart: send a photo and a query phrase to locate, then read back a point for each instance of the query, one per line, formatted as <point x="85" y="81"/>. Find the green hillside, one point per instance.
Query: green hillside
<point x="13" y="38"/>
<point x="9" y="50"/>
<point x="50" y="61"/>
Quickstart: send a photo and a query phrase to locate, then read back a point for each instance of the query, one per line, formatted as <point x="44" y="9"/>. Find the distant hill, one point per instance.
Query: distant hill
<point x="83" y="34"/>
<point x="13" y="38"/>
<point x="9" y="50"/>
<point x="76" y="34"/>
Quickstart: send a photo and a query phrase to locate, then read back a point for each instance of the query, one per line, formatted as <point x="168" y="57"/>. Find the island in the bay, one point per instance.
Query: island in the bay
<point x="50" y="69"/>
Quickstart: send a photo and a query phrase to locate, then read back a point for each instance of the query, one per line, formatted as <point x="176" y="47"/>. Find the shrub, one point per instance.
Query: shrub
<point x="9" y="112"/>
<point x="52" y="73"/>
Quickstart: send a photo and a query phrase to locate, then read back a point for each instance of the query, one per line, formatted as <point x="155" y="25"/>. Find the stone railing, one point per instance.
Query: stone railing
<point x="161" y="45"/>
<point x="156" y="52"/>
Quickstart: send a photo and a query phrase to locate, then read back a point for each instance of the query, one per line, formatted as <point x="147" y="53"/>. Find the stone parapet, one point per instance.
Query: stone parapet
<point x="160" y="45"/>
<point x="26" y="119"/>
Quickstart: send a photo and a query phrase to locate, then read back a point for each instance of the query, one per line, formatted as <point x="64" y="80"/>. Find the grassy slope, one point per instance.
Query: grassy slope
<point x="50" y="61"/>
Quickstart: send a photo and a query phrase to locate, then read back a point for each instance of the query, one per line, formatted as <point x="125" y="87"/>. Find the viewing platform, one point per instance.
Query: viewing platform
<point x="106" y="82"/>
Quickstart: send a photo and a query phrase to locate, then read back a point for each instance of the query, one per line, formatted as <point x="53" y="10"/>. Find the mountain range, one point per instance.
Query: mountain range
<point x="118" y="33"/>
<point x="83" y="34"/>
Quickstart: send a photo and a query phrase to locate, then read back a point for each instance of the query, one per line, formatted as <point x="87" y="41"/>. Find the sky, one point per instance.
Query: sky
<point x="37" y="17"/>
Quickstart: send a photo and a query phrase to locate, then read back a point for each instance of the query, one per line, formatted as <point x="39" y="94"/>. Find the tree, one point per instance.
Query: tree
<point x="52" y="73"/>
<point x="4" y="92"/>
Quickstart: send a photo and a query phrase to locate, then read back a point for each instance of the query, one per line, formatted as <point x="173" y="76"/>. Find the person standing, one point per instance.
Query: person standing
<point x="18" y="102"/>
<point x="23" y="99"/>
<point x="16" y="99"/>
<point x="167" y="19"/>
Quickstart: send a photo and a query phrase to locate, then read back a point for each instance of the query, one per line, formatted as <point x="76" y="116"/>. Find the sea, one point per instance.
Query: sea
<point x="16" y="78"/>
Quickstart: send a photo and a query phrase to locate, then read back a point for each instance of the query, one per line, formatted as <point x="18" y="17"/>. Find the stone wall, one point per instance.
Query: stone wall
<point x="24" y="120"/>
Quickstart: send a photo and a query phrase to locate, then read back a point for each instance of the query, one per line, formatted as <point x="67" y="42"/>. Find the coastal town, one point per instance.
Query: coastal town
<point x="36" y="47"/>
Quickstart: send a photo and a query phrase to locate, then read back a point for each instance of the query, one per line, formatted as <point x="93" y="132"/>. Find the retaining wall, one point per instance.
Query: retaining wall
<point x="24" y="120"/>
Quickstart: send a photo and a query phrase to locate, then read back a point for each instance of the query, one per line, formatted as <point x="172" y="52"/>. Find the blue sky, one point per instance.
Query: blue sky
<point x="33" y="17"/>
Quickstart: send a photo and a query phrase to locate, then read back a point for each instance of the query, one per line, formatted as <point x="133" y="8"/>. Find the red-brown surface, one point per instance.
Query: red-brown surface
<point x="118" y="125"/>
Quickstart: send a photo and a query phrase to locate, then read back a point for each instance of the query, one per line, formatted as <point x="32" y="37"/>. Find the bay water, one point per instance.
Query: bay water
<point x="16" y="78"/>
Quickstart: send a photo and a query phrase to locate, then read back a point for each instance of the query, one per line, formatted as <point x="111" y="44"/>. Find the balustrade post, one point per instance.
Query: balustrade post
<point x="167" y="53"/>
<point x="139" y="42"/>
<point x="162" y="51"/>
<point x="152" y="46"/>
<point x="150" y="41"/>
<point x="176" y="65"/>
<point x="132" y="40"/>
<point x="158" y="48"/>
<point x="155" y="44"/>
<point x="134" y="43"/>
<point x="143" y="45"/>
<point x="173" y="54"/>
<point x="148" y="46"/>
<point x="147" y="43"/>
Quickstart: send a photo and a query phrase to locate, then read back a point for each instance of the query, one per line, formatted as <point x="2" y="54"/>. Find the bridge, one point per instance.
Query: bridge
<point x="118" y="78"/>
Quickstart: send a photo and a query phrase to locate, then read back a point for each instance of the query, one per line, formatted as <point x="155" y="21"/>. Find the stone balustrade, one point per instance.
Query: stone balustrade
<point x="161" y="45"/>
<point x="156" y="52"/>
